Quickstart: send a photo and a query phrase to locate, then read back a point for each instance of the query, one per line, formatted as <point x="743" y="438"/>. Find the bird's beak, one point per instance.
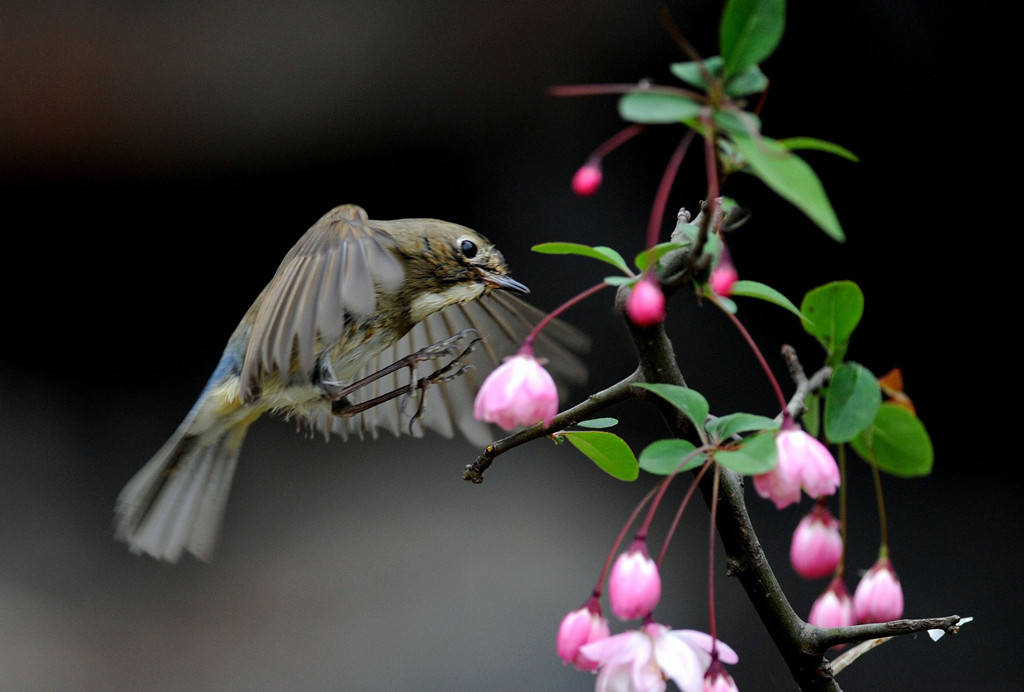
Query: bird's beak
<point x="505" y="282"/>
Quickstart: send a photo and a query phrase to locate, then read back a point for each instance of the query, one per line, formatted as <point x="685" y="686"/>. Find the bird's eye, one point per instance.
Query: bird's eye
<point x="468" y="248"/>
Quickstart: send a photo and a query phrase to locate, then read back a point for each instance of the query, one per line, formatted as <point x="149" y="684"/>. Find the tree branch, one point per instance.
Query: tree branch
<point x="804" y="386"/>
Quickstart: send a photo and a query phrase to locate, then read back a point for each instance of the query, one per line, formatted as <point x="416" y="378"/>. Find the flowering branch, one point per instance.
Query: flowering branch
<point x="620" y="391"/>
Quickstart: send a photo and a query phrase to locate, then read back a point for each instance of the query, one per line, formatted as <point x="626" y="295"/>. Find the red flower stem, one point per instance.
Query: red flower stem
<point x="841" y="567"/>
<point x="618" y="541"/>
<point x="528" y="341"/>
<point x="664" y="187"/>
<point x="682" y="506"/>
<point x="624" y="88"/>
<point x="616" y="141"/>
<point x="881" y="510"/>
<point x="711" y="165"/>
<point x="713" y="626"/>
<point x="757" y="352"/>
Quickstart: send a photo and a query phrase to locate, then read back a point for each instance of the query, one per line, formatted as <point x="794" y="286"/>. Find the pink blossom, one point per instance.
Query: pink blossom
<point x="817" y="545"/>
<point x="634" y="587"/>
<point x="834" y="608"/>
<point x="641" y="660"/>
<point x="587" y="179"/>
<point x="581" y="627"/>
<point x="646" y="303"/>
<point x="803" y="462"/>
<point x="518" y="392"/>
<point x="879" y="596"/>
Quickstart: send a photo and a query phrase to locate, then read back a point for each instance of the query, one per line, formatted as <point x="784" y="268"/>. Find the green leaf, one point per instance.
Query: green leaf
<point x="791" y="177"/>
<point x="687" y="400"/>
<point x="662" y="457"/>
<point x="605" y="254"/>
<point x="736" y="423"/>
<point x="896" y="442"/>
<point x="812" y="417"/>
<point x="812" y="143"/>
<point x="749" y="32"/>
<point x="609" y="451"/>
<point x="851" y="403"/>
<point x="620" y="280"/>
<point x="656" y="107"/>
<point x="833" y="311"/>
<point x="727" y="304"/>
<point x="690" y="72"/>
<point x="754" y="289"/>
<point x="658" y="251"/>
<point x="750" y="81"/>
<point x="598" y="423"/>
<point x="756" y="454"/>
<point x="737" y="122"/>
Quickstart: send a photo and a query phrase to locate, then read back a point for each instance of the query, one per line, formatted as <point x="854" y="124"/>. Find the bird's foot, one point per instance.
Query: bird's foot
<point x="341" y="406"/>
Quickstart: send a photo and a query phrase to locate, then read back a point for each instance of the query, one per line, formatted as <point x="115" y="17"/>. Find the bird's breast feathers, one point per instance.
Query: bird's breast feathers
<point x="426" y="304"/>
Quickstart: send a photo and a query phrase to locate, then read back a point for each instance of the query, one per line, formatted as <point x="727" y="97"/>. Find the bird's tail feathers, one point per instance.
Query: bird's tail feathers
<point x="176" y="502"/>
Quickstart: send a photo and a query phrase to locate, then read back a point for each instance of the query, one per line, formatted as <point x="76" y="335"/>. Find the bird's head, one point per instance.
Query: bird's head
<point x="445" y="264"/>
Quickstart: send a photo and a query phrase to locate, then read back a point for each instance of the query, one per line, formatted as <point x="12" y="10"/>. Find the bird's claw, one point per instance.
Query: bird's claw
<point x="446" y="373"/>
<point x="341" y="406"/>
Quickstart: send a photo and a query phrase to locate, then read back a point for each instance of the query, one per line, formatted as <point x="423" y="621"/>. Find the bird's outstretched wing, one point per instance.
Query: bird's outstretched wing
<point x="330" y="272"/>
<point x="504" y="320"/>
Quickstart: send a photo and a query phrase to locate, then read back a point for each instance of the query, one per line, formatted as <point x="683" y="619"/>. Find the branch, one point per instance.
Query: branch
<point x="821" y="638"/>
<point x="947" y="625"/>
<point x="804" y="386"/>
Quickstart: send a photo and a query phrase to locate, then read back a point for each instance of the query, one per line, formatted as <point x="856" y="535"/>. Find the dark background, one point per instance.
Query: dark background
<point x="158" y="159"/>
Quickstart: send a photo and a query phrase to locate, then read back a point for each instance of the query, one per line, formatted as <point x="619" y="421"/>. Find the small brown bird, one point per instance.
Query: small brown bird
<point x="363" y="321"/>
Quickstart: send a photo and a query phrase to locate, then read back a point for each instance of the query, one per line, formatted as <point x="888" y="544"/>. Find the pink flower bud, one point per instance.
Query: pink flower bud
<point x="879" y="596"/>
<point x="834" y="608"/>
<point x="587" y="179"/>
<point x="518" y="392"/>
<point x="723" y="277"/>
<point x="817" y="544"/>
<point x="578" y="628"/>
<point x="717" y="679"/>
<point x="646" y="303"/>
<point x="634" y="587"/>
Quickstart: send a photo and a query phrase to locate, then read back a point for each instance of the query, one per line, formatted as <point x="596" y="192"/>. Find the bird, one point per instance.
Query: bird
<point x="365" y="325"/>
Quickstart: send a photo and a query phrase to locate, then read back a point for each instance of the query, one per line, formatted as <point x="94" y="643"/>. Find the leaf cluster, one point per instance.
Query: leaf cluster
<point x="848" y="410"/>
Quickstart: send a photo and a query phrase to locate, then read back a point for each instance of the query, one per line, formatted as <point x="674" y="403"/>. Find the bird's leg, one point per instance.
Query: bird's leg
<point x="340" y="405"/>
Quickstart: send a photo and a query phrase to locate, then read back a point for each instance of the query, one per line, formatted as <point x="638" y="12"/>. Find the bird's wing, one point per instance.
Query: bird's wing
<point x="504" y="320"/>
<point x="330" y="272"/>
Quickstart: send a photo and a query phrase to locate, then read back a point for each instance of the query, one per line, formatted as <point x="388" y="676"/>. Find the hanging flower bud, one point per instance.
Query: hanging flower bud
<point x="634" y="587"/>
<point x="879" y="596"/>
<point x="518" y="392"/>
<point x="717" y="679"/>
<point x="722" y="279"/>
<point x="578" y="628"/>
<point x="834" y="608"/>
<point x="587" y="179"/>
<point x="817" y="545"/>
<point x="645" y="304"/>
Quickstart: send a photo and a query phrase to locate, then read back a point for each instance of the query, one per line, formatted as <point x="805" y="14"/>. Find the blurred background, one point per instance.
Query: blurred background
<point x="158" y="159"/>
